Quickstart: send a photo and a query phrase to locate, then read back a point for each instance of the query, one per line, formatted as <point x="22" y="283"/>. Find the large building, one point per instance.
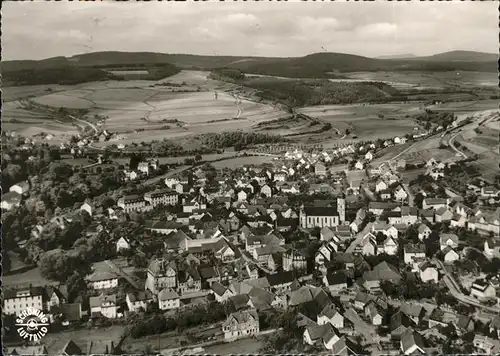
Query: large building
<point x="131" y="203"/>
<point x="324" y="216"/>
<point x="16" y="301"/>
<point x="161" y="274"/>
<point x="162" y="197"/>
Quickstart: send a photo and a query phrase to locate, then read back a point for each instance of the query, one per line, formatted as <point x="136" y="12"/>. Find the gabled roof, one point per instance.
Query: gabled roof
<point x="411" y="338"/>
<point x="242" y="316"/>
<point x="382" y="271"/>
<point x="445" y="237"/>
<point x="400" y="319"/>
<point x="72" y="311"/>
<point x="167" y="294"/>
<point x="71" y="349"/>
<point x="140" y="296"/>
<point x="280" y="278"/>
<point x="218" y="288"/>
<point x="335" y="277"/>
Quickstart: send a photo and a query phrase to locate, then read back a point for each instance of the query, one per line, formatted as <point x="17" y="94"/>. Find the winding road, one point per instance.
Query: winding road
<point x="454" y="288"/>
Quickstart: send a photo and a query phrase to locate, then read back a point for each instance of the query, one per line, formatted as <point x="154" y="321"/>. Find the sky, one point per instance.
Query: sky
<point x="37" y="30"/>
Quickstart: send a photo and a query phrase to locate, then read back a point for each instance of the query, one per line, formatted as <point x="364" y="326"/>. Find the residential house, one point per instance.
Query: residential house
<point x="423" y="232"/>
<point x="400" y="322"/>
<point x="409" y="215"/>
<point x="492" y="248"/>
<point x="443" y="214"/>
<point x="20" y="188"/>
<point x="428" y="272"/>
<point x="390" y="246"/>
<point x="122" y="244"/>
<point x="413" y="253"/>
<point x="381" y="272"/>
<point x="335" y="281"/>
<point x="448" y="240"/>
<point x="369" y="245"/>
<point x="189" y="281"/>
<point x="87" y="208"/>
<point x="359" y="165"/>
<point x="482" y="290"/>
<point x="486" y="345"/>
<point x="319" y="169"/>
<point x="240" y="324"/>
<point x="221" y="292"/>
<point x="140" y="300"/>
<point x="412" y="343"/>
<point x="434" y="203"/>
<point x="450" y="255"/>
<point x="374" y="312"/>
<point x="326" y="335"/>
<point x="104" y="305"/>
<point x="324" y="253"/>
<point x="464" y="324"/>
<point x="331" y="314"/>
<point x="266" y="190"/>
<point x="394" y="217"/>
<point x="294" y="260"/>
<point x="168" y="299"/>
<point x="400" y="194"/>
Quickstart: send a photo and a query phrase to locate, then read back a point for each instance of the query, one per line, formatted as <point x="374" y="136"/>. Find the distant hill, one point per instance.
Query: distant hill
<point x="461" y="56"/>
<point x="318" y="65"/>
<point x="397" y="56"/>
<point x="325" y="65"/>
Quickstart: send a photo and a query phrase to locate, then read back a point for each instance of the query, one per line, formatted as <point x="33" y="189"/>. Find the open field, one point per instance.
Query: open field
<point x="184" y="104"/>
<point x="364" y="121"/>
<point x="422" y="80"/>
<point x="243" y="346"/>
<point x="180" y="105"/>
<point x="32" y="276"/>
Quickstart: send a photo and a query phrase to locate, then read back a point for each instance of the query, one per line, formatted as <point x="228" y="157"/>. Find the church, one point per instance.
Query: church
<point x="326" y="215"/>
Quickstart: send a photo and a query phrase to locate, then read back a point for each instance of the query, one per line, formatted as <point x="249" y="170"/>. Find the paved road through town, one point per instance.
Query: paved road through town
<point x="455" y="290"/>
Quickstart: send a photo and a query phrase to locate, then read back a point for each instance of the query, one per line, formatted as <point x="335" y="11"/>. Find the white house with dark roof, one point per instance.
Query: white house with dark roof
<point x="413" y="252"/>
<point x="331" y="314"/>
<point x="168" y="299"/>
<point x="244" y="323"/>
<point x="482" y="290"/>
<point x="104" y="305"/>
<point x="448" y="240"/>
<point x="20" y="188"/>
<point x="428" y="272"/>
<point x="138" y="300"/>
<point x="412" y="343"/>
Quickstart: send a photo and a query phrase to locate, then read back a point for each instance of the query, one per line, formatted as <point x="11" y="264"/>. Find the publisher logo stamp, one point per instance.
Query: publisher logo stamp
<point x="32" y="324"/>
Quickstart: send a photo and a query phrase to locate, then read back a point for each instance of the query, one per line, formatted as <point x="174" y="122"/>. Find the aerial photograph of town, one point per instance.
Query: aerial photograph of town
<point x="188" y="178"/>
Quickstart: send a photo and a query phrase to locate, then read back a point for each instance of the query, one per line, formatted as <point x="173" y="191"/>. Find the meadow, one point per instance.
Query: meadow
<point x="184" y="104"/>
<point x="364" y="120"/>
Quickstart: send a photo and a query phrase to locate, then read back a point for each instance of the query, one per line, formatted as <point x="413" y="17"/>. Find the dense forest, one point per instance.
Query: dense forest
<point x="322" y="92"/>
<point x="67" y="75"/>
<point x="61" y="75"/>
<point x="239" y="139"/>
